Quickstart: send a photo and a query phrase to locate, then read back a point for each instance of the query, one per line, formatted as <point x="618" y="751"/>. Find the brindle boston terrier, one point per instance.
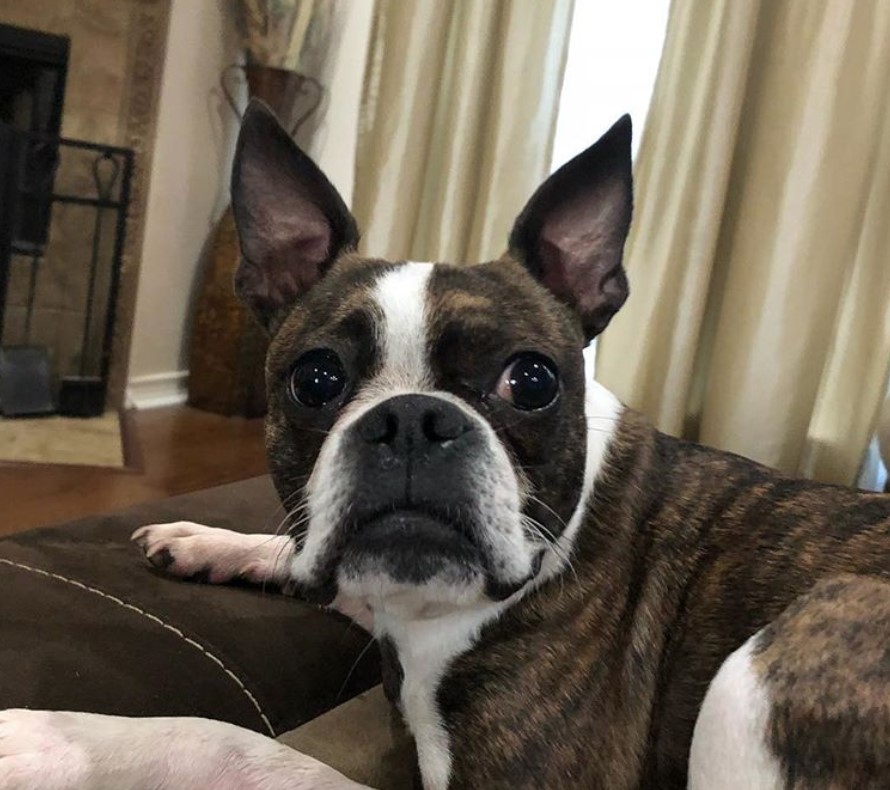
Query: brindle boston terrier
<point x="571" y="598"/>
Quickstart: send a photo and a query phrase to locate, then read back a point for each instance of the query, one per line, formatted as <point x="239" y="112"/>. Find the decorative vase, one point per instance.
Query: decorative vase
<point x="228" y="348"/>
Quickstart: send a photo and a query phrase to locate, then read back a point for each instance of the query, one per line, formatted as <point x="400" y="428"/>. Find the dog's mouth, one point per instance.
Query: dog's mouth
<point x="415" y="546"/>
<point x="411" y="546"/>
<point x="432" y="550"/>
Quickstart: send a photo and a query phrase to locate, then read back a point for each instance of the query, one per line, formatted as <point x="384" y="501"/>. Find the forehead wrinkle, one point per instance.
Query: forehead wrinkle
<point x="458" y="301"/>
<point x="401" y="296"/>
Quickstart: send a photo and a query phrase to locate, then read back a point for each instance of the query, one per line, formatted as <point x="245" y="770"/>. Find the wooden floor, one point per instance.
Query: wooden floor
<point x="180" y="449"/>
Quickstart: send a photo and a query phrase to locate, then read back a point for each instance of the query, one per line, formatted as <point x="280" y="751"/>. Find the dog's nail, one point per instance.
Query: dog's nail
<point x="161" y="559"/>
<point x="202" y="576"/>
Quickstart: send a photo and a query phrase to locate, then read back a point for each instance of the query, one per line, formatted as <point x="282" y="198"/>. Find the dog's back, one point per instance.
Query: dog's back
<point x="686" y="553"/>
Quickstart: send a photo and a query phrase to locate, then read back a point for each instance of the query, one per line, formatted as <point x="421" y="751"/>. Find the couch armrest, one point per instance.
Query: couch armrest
<point x="85" y="624"/>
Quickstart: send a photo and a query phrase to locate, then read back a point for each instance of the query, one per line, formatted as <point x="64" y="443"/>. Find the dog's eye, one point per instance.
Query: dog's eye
<point x="317" y="378"/>
<point x="529" y="382"/>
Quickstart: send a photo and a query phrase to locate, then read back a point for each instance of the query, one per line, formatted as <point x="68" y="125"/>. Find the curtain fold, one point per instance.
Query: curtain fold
<point x="759" y="264"/>
<point x="458" y="116"/>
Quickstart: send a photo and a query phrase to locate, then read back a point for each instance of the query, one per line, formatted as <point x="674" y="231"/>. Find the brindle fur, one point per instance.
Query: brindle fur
<point x="825" y="663"/>
<point x="596" y="679"/>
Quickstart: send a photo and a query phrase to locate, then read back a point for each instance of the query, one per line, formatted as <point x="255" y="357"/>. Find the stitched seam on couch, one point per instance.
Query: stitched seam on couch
<point x="155" y="619"/>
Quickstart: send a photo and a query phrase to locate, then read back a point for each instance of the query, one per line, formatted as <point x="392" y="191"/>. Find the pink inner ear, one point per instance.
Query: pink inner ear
<point x="579" y="248"/>
<point x="295" y="265"/>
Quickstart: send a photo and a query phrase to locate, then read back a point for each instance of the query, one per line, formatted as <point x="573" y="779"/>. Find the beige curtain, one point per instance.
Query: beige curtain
<point x="457" y="122"/>
<point x="759" y="260"/>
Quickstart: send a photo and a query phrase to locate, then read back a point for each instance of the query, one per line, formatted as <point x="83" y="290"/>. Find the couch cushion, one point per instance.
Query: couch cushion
<point x="364" y="739"/>
<point x="86" y="624"/>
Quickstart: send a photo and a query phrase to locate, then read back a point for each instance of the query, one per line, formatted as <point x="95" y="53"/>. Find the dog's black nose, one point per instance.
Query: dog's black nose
<point x="413" y="423"/>
<point x="413" y="452"/>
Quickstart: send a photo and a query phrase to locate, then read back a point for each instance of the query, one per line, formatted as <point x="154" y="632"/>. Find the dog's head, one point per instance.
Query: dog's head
<point x="426" y="422"/>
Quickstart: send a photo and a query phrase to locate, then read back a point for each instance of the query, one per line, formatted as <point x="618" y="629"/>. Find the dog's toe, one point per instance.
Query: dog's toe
<point x="203" y="576"/>
<point x="208" y="554"/>
<point x="162" y="558"/>
<point x="140" y="536"/>
<point x="174" y="547"/>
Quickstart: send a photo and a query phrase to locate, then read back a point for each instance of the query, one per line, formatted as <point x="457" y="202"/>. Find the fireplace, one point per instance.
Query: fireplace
<point x="33" y="68"/>
<point x="63" y="211"/>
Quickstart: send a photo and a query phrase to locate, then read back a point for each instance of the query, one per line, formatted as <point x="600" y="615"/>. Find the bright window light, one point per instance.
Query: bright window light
<point x="614" y="50"/>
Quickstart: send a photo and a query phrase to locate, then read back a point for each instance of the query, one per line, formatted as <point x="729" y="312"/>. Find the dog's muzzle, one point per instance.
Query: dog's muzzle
<point x="413" y="506"/>
<point x="418" y="496"/>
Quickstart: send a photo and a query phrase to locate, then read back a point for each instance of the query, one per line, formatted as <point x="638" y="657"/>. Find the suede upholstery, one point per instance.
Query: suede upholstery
<point x="86" y="624"/>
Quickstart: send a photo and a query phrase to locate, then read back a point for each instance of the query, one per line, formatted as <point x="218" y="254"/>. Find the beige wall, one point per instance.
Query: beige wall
<point x="189" y="181"/>
<point x="193" y="143"/>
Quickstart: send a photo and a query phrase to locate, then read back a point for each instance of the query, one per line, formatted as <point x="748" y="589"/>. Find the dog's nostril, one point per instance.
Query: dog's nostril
<point x="392" y="429"/>
<point x="382" y="429"/>
<point x="441" y="426"/>
<point x="406" y="422"/>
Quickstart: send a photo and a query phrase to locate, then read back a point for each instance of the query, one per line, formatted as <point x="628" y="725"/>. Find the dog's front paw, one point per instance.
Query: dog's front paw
<point x="37" y="754"/>
<point x="194" y="551"/>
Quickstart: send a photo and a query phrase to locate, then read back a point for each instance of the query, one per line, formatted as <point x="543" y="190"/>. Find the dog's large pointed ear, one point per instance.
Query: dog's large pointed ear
<point x="571" y="233"/>
<point x="291" y="221"/>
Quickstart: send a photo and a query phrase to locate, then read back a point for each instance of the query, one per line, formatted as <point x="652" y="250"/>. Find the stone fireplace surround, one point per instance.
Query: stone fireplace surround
<point x="114" y="73"/>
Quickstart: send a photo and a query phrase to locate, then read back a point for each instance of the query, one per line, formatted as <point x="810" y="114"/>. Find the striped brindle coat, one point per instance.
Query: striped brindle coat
<point x="566" y="597"/>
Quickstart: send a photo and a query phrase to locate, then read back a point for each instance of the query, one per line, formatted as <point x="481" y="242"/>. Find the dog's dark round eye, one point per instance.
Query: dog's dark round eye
<point x="529" y="382"/>
<point x="317" y="378"/>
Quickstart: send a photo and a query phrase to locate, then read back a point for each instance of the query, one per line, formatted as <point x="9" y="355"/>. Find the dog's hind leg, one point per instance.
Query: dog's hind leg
<point x="729" y="748"/>
<point x="188" y="550"/>
<point x="53" y="750"/>
<point x="805" y="703"/>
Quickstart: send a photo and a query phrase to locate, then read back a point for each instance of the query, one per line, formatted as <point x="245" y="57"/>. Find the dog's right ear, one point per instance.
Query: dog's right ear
<point x="291" y="221"/>
<point x="571" y="233"/>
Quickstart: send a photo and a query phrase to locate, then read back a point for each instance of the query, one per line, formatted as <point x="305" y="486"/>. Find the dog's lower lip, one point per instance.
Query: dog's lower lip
<point x="407" y="514"/>
<point x="417" y="531"/>
<point x="406" y="518"/>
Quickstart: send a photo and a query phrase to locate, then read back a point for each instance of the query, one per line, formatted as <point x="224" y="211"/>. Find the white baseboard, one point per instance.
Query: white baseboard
<point x="158" y="389"/>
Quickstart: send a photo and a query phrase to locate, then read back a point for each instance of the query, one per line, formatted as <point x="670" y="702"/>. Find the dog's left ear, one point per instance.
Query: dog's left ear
<point x="292" y="222"/>
<point x="571" y="233"/>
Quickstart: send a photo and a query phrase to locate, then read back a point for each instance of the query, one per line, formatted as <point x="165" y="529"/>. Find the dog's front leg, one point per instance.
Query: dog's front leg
<point x="188" y="550"/>
<point x="51" y="750"/>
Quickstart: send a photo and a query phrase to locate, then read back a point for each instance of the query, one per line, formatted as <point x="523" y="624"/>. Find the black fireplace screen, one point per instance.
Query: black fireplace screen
<point x="58" y="289"/>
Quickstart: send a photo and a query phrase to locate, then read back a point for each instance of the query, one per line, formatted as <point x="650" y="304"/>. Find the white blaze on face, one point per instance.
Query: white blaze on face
<point x="401" y="295"/>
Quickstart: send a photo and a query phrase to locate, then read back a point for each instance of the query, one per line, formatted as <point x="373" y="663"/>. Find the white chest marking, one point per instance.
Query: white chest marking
<point x="425" y="649"/>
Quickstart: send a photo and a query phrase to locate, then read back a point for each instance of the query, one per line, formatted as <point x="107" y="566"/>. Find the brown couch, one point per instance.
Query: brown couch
<point x="85" y="624"/>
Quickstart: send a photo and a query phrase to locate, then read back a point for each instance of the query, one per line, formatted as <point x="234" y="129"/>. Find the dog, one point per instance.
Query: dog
<point x="567" y="597"/>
